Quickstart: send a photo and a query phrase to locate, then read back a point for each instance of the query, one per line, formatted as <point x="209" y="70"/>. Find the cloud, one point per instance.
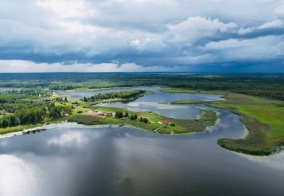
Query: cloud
<point x="196" y="28"/>
<point x="237" y="50"/>
<point x="272" y="24"/>
<point x="20" y="66"/>
<point x="279" y="11"/>
<point x="164" y="33"/>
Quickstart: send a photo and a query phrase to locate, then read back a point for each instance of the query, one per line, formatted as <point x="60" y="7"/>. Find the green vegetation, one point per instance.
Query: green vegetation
<point x="123" y="96"/>
<point x="148" y="120"/>
<point x="263" y="118"/>
<point x="18" y="128"/>
<point x="269" y="86"/>
<point x="119" y="114"/>
<point x="207" y="119"/>
<point x="18" y="113"/>
<point x="29" y="107"/>
<point x="28" y="101"/>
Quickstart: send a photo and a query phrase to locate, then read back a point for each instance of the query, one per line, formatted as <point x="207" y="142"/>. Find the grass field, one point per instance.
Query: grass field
<point x="18" y="128"/>
<point x="263" y="118"/>
<point x="176" y="126"/>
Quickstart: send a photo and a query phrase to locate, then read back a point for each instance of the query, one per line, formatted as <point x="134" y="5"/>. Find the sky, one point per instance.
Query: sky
<point x="142" y="36"/>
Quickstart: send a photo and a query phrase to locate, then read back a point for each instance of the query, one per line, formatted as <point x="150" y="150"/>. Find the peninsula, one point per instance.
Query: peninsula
<point x="50" y="109"/>
<point x="263" y="118"/>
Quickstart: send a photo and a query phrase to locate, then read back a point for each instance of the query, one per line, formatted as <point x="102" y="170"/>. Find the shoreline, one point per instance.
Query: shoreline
<point x="174" y="126"/>
<point x="257" y="140"/>
<point x="260" y="139"/>
<point x="44" y="127"/>
<point x="90" y="118"/>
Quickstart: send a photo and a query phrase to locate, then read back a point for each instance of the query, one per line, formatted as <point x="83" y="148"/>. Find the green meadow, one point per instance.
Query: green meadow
<point x="175" y="126"/>
<point x="263" y="118"/>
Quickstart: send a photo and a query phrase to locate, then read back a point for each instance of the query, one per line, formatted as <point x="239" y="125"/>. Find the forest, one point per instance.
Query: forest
<point x="263" y="85"/>
<point x="123" y="95"/>
<point x="23" y="107"/>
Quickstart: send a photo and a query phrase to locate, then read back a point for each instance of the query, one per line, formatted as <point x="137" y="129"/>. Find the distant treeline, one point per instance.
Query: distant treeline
<point x="12" y="96"/>
<point x="263" y="85"/>
<point x="133" y="94"/>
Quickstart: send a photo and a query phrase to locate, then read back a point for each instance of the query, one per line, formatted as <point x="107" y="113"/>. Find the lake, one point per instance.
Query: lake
<point x="71" y="159"/>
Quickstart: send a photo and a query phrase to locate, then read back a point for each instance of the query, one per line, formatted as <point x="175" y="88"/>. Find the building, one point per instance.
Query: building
<point x="101" y="114"/>
<point x="164" y="122"/>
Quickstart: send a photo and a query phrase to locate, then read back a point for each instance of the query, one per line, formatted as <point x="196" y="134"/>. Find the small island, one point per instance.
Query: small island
<point x="123" y="96"/>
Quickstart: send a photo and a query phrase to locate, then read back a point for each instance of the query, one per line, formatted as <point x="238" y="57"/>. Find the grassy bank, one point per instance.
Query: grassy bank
<point x="176" y="126"/>
<point x="18" y="128"/>
<point x="255" y="143"/>
<point x="207" y="119"/>
<point x="263" y="118"/>
<point x="23" y="127"/>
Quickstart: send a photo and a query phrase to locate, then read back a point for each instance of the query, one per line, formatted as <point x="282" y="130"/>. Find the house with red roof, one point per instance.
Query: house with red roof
<point x="164" y="122"/>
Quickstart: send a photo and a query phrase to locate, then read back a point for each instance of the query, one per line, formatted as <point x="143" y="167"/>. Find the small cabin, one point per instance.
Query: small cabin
<point x="164" y="122"/>
<point x="101" y="114"/>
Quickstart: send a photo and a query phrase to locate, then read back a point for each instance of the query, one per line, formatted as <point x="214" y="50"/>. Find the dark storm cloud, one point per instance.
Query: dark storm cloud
<point x="144" y="33"/>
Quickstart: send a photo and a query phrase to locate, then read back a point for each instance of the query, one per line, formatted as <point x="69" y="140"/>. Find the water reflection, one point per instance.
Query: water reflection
<point x="159" y="103"/>
<point x="72" y="159"/>
<point x="18" y="176"/>
<point x="157" y="97"/>
<point x="184" y="112"/>
<point x="274" y="161"/>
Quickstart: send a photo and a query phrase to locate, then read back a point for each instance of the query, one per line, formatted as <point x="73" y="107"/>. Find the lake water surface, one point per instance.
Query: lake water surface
<point x="70" y="159"/>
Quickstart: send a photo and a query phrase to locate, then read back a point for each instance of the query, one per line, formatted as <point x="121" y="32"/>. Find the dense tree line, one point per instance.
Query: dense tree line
<point x="59" y="111"/>
<point x="13" y="96"/>
<point x="119" y="114"/>
<point x="9" y="121"/>
<point x="31" y="92"/>
<point x="133" y="117"/>
<point x="133" y="94"/>
<point x="267" y="87"/>
<point x="145" y="120"/>
<point x="263" y="85"/>
<point x="34" y="115"/>
<point x="25" y="107"/>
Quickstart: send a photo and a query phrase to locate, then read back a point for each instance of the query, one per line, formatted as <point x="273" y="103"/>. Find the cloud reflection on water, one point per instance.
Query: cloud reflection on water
<point x="18" y="177"/>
